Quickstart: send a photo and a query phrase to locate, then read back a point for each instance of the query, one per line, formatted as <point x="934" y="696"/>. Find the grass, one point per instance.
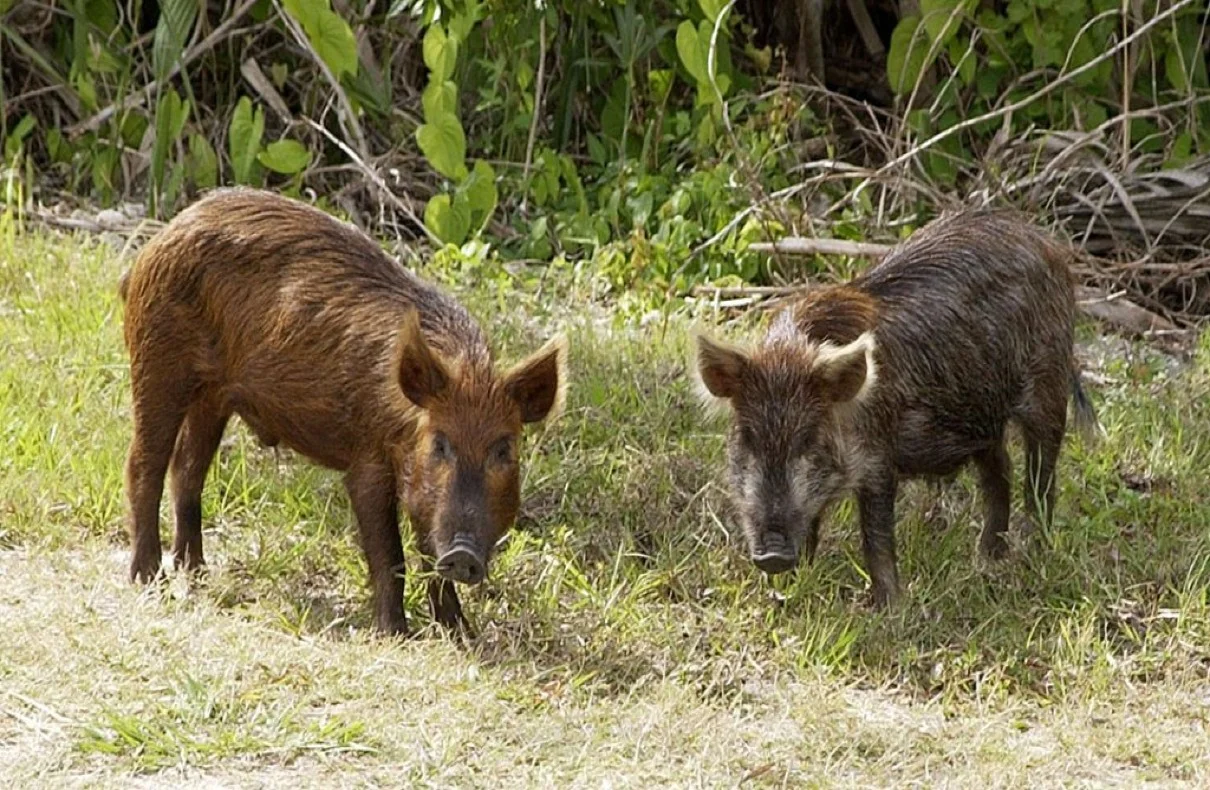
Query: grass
<point x="624" y="638"/>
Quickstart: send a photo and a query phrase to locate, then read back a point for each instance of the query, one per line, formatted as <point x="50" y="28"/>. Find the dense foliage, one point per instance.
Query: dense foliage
<point x="629" y="133"/>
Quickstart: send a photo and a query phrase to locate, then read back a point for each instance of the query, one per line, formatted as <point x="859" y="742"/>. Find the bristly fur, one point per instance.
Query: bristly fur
<point x="835" y="314"/>
<point x="252" y="304"/>
<point x="965" y="330"/>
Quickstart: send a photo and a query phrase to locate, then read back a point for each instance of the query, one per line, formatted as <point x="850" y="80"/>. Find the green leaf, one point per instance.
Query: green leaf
<point x="285" y="156"/>
<point x="104" y="163"/>
<point x="203" y="162"/>
<point x="936" y="18"/>
<point x="243" y="140"/>
<point x="480" y="191"/>
<point x="439" y="98"/>
<point x="305" y="11"/>
<point x="443" y="143"/>
<point x="964" y="61"/>
<point x="177" y="18"/>
<point x="334" y="42"/>
<point x="689" y="47"/>
<point x="18" y="134"/>
<point x="440" y="53"/>
<point x="449" y="220"/>
<point x="461" y="23"/>
<point x="329" y="34"/>
<point x="905" y="59"/>
<point x="711" y="8"/>
<point x="57" y="146"/>
<point x="1174" y="70"/>
<point x="1182" y="151"/>
<point x="987" y="81"/>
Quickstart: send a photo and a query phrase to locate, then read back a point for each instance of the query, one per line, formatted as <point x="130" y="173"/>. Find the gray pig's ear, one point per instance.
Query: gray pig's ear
<point x="423" y="376"/>
<point x="719" y="370"/>
<point x="539" y="383"/>
<point x="847" y="373"/>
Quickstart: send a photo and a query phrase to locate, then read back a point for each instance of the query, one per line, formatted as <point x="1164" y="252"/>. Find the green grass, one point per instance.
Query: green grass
<point x="624" y="638"/>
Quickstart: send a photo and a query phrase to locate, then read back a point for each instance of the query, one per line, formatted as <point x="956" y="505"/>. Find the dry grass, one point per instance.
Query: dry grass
<point x="624" y="639"/>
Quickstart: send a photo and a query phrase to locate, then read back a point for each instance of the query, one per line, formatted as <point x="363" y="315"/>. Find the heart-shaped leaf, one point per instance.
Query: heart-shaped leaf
<point x="443" y="143"/>
<point x="440" y="53"/>
<point x="449" y="220"/>
<point x="285" y="156"/>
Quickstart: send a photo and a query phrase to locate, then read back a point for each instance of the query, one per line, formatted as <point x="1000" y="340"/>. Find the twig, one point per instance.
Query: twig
<point x="377" y="179"/>
<point x="138" y="97"/>
<point x="1045" y="90"/>
<point x="348" y="118"/>
<point x="800" y="246"/>
<point x="129" y="226"/>
<point x="1122" y="313"/>
<point x="533" y="124"/>
<point x="728" y="292"/>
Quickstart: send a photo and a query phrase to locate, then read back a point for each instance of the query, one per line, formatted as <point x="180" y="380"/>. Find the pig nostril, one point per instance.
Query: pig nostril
<point x="775" y="553"/>
<point x="460" y="564"/>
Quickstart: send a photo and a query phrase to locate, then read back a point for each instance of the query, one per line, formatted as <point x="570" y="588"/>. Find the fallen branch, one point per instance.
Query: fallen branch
<point x="794" y="245"/>
<point x="106" y="221"/>
<point x="1121" y="313"/>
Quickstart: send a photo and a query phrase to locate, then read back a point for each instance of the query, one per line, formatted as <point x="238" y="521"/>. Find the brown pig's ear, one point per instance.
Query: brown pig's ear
<point x="846" y="373"/>
<point x="720" y="368"/>
<point x="539" y="383"/>
<point x="422" y="374"/>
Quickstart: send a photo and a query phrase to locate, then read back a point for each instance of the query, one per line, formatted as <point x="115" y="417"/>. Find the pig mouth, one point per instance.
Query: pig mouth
<point x="464" y="561"/>
<point x="774" y="553"/>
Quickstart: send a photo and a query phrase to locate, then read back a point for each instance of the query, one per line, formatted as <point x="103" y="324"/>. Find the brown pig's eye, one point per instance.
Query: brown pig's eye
<point x="441" y="447"/>
<point x="502" y="451"/>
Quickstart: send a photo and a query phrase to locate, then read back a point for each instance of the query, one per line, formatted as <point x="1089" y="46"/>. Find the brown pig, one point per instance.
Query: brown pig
<point x="253" y="304"/>
<point x="913" y="369"/>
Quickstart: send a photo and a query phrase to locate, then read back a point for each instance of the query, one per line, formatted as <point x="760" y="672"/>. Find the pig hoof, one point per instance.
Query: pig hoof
<point x="393" y="627"/>
<point x="994" y="546"/>
<point x="772" y="562"/>
<point x="882" y="600"/>
<point x="461" y="564"/>
<point x="146" y="572"/>
<point x="189" y="564"/>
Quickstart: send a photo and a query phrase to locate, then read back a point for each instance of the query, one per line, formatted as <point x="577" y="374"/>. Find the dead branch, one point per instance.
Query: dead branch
<point x="802" y="246"/>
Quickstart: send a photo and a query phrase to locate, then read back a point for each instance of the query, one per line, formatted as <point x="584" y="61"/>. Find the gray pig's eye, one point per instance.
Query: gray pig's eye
<point x="441" y="447"/>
